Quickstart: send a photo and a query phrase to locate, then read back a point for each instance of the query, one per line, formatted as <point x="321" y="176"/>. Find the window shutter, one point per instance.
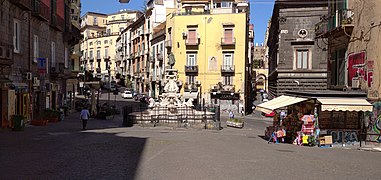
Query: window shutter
<point x="228" y="35"/>
<point x="192" y="36"/>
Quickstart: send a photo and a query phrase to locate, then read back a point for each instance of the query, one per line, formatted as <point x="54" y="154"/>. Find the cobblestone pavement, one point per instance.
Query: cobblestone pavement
<point x="108" y="151"/>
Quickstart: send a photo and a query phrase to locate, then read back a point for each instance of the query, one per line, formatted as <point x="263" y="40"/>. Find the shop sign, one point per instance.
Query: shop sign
<point x="225" y="96"/>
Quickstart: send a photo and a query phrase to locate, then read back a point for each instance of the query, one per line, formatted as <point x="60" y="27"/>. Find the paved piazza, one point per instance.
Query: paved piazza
<point x="109" y="151"/>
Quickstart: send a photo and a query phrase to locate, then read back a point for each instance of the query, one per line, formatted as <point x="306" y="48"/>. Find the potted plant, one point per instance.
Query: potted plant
<point x="235" y="122"/>
<point x="110" y="113"/>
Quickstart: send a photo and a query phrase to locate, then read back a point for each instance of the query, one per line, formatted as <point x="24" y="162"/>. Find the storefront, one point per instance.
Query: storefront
<point x="318" y="115"/>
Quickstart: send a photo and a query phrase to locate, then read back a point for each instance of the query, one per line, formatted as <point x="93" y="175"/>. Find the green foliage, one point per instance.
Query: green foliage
<point x="236" y="120"/>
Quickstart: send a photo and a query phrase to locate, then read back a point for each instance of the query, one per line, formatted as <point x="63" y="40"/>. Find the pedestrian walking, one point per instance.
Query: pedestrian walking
<point x="231" y="114"/>
<point x="85" y="114"/>
<point x="242" y="112"/>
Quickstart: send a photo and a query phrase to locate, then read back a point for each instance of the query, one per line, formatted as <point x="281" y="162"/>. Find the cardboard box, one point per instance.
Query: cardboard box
<point x="328" y="139"/>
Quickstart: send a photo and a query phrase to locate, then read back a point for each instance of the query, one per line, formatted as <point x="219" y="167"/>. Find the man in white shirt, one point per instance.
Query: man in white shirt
<point x="85" y="114"/>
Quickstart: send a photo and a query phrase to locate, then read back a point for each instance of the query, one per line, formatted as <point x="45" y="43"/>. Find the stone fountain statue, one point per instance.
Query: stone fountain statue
<point x="170" y="104"/>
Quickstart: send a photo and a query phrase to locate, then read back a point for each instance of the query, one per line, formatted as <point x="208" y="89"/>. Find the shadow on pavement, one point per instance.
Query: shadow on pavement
<point x="86" y="155"/>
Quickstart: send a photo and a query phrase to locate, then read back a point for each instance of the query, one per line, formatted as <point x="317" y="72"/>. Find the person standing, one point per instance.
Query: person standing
<point x="85" y="114"/>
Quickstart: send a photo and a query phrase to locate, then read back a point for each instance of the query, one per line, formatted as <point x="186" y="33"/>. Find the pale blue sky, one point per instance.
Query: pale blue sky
<point x="260" y="11"/>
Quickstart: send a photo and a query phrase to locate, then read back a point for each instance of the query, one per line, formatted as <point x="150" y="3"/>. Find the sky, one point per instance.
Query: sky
<point x="260" y="12"/>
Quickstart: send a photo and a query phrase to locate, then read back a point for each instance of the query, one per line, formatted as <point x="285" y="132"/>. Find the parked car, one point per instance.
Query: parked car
<point x="271" y="114"/>
<point x="127" y="94"/>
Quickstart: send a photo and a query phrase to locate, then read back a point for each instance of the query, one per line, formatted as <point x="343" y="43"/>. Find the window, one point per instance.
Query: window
<point x="99" y="43"/>
<point x="108" y="31"/>
<point x="228" y="80"/>
<point x="16" y="36"/>
<point x="113" y="18"/>
<point x="302" y="59"/>
<point x="36" y="50"/>
<point x="66" y="58"/>
<point x="106" y="42"/>
<point x="191" y="79"/>
<point x="91" y="43"/>
<point x="149" y="25"/>
<point x="122" y="16"/>
<point x="228" y="61"/>
<point x="192" y="36"/>
<point x="191" y="59"/>
<point x="98" y="53"/>
<point x="228" y="36"/>
<point x="106" y="52"/>
<point x="53" y="53"/>
<point x="91" y="54"/>
<point x="72" y="64"/>
<point x="95" y="21"/>
<point x="223" y="5"/>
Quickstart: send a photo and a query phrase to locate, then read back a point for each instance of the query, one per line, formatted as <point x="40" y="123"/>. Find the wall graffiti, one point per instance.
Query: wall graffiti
<point x="373" y="123"/>
<point x="356" y="64"/>
<point x="342" y="136"/>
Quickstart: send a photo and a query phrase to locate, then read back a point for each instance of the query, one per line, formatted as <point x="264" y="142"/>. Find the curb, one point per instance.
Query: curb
<point x="370" y="149"/>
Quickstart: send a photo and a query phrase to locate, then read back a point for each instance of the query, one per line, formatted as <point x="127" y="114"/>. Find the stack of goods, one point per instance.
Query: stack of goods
<point x="308" y="128"/>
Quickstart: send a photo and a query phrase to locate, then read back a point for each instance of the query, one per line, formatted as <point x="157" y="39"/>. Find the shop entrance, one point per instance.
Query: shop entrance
<point x="22" y="104"/>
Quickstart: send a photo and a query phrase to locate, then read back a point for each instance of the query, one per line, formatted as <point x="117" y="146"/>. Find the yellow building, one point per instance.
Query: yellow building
<point x="209" y="41"/>
<point x="100" y="32"/>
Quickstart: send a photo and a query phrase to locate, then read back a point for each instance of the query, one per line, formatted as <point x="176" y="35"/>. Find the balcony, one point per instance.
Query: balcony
<point x="191" y="69"/>
<point x="192" y="41"/>
<point x="119" y="21"/>
<point x="57" y="71"/>
<point x="103" y="35"/>
<point x="321" y="29"/>
<point x="40" y="10"/>
<point x="190" y="87"/>
<point x="228" y="41"/>
<point x="168" y="43"/>
<point x="339" y="23"/>
<point x="23" y="4"/>
<point x="227" y="69"/>
<point x="57" y="22"/>
<point x="6" y="53"/>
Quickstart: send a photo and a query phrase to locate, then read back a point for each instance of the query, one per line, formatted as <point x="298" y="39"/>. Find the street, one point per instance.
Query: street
<point x="109" y="151"/>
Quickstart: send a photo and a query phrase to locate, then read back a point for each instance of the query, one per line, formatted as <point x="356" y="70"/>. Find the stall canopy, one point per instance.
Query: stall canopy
<point x="344" y="104"/>
<point x="279" y="102"/>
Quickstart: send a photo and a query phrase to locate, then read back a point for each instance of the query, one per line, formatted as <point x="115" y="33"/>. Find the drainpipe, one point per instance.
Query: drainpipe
<point x="30" y="66"/>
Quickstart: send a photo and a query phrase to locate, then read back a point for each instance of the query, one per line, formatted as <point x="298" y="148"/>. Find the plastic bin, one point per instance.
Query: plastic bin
<point x="18" y="123"/>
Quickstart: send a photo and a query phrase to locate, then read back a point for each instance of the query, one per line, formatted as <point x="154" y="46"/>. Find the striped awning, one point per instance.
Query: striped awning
<point x="344" y="104"/>
<point x="279" y="102"/>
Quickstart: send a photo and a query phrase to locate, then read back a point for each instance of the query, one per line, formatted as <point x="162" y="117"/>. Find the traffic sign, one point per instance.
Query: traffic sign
<point x="41" y="63"/>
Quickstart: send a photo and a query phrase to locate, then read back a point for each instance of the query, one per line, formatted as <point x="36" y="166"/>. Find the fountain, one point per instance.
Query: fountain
<point x="171" y="110"/>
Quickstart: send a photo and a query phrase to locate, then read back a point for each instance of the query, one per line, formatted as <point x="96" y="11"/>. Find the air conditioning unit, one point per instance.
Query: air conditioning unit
<point x="2" y="52"/>
<point x="355" y="83"/>
<point x="29" y="76"/>
<point x="36" y="82"/>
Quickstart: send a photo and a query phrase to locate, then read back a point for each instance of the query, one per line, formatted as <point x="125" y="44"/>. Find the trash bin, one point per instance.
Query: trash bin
<point x="18" y="123"/>
<point x="127" y="120"/>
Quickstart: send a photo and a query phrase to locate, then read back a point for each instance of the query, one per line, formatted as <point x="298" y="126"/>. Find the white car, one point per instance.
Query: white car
<point x="127" y="94"/>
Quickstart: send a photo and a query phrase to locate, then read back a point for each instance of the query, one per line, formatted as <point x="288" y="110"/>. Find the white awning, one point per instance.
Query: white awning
<point x="344" y="104"/>
<point x="188" y="95"/>
<point x="278" y="102"/>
